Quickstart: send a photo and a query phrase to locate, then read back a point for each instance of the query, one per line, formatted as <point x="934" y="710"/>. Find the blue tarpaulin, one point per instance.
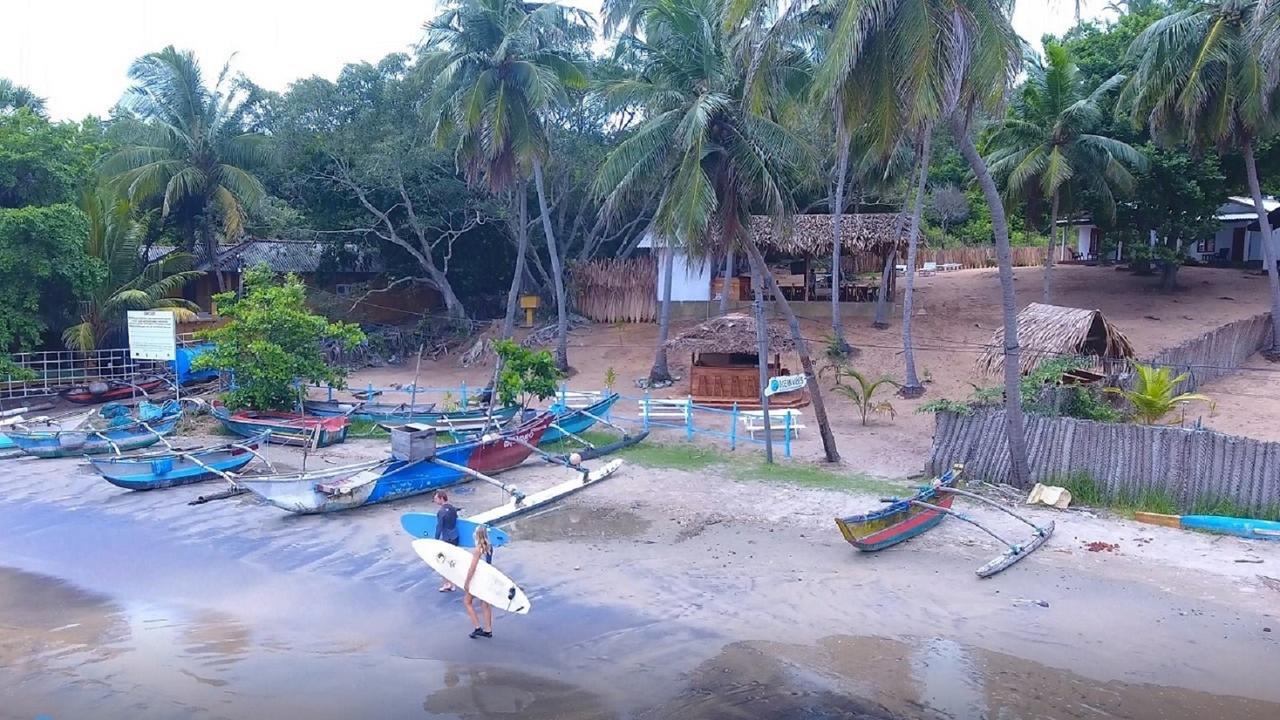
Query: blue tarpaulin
<point x="182" y="366"/>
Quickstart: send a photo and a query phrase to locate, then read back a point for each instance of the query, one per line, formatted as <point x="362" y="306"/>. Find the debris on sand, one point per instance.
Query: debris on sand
<point x="1099" y="546"/>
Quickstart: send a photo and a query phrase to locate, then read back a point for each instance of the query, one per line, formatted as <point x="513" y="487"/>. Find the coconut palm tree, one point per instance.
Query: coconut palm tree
<point x="14" y="96"/>
<point x="713" y="142"/>
<point x="1048" y="143"/>
<point x="129" y="282"/>
<point x="1199" y="79"/>
<point x="186" y="145"/>
<point x="498" y="68"/>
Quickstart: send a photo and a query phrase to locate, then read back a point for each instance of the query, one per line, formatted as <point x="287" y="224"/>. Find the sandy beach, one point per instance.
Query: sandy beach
<point x="660" y="593"/>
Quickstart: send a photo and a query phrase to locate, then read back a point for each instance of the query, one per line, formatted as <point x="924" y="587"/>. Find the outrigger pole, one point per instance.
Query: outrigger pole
<point x="516" y="494"/>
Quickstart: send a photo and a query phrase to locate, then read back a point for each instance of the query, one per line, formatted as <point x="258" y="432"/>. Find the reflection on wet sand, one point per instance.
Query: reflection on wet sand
<point x="486" y="692"/>
<point x="46" y="623"/>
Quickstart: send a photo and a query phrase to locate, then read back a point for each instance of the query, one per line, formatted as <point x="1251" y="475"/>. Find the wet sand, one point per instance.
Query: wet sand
<point x="658" y="594"/>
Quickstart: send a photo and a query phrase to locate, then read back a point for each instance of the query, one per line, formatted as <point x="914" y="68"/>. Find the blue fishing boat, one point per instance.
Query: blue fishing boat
<point x="1251" y="528"/>
<point x="172" y="467"/>
<point x="574" y="422"/>
<point x="388" y="414"/>
<point x="91" y="441"/>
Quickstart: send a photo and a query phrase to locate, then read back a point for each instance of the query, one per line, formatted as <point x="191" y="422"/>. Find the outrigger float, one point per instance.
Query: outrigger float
<point x="905" y="518"/>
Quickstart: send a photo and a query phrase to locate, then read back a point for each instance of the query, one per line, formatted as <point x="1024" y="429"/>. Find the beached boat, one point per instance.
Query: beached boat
<point x="571" y="422"/>
<point x="1251" y="528"/>
<point x="101" y="392"/>
<point x="172" y="467"/>
<point x="286" y="428"/>
<point x="901" y="519"/>
<point x="382" y="413"/>
<point x="473" y="419"/>
<point x="91" y="441"/>
<point x="385" y="480"/>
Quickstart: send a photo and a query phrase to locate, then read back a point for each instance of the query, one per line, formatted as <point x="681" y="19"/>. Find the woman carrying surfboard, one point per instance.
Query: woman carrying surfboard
<point x="483" y="549"/>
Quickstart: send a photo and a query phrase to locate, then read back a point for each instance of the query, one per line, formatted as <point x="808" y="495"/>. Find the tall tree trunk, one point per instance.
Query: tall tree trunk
<point x="728" y="277"/>
<point x="1268" y="248"/>
<point x="659" y="371"/>
<point x="522" y="245"/>
<point x="912" y="388"/>
<point x="1047" y="295"/>
<point x="452" y="305"/>
<point x="211" y="250"/>
<point x="1014" y="427"/>
<point x="882" y="301"/>
<point x="802" y="348"/>
<point x="557" y="273"/>
<point x="837" y="230"/>
<point x="762" y="351"/>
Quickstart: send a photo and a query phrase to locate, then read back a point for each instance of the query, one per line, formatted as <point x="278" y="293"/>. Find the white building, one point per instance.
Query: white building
<point x="1238" y="239"/>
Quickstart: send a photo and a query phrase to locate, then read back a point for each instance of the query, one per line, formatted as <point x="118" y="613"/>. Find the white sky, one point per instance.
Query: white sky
<point x="75" y="53"/>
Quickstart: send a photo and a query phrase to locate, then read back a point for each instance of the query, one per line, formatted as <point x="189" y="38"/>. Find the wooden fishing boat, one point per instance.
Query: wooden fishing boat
<point x="901" y="519"/>
<point x="101" y="392"/>
<point x="92" y="441"/>
<point x="173" y="467"/>
<point x="286" y="428"/>
<point x="382" y="413"/>
<point x="571" y="422"/>
<point x="1251" y="528"/>
<point x="390" y="479"/>
<point x="461" y="421"/>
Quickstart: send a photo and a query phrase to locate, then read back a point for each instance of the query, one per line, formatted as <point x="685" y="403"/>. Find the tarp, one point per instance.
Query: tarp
<point x="182" y="365"/>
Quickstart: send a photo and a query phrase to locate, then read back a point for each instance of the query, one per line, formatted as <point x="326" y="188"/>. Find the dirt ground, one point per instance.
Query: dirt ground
<point x="660" y="593"/>
<point x="956" y="314"/>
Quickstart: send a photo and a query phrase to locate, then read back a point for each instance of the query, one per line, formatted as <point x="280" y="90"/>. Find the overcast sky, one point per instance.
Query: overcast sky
<point x="75" y="53"/>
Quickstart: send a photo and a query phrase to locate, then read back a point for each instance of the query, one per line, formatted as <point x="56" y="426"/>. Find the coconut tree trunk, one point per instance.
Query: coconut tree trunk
<point x="728" y="277"/>
<point x="1268" y="249"/>
<point x="837" y="230"/>
<point x="802" y="348"/>
<point x="659" y="372"/>
<point x="557" y="273"/>
<point x="882" y="301"/>
<point x="1047" y="295"/>
<point x="1014" y="428"/>
<point x="522" y="245"/>
<point x="762" y="351"/>
<point x="912" y="388"/>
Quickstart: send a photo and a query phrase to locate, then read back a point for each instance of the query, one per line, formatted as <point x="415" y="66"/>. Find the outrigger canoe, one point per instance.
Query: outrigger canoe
<point x="384" y="413"/>
<point x="286" y="428"/>
<point x="367" y="483"/>
<point x="902" y="519"/>
<point x="172" y="467"/>
<point x="91" y="441"/>
<point x="111" y="390"/>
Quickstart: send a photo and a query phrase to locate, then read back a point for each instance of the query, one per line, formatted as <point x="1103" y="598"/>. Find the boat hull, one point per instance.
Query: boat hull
<point x="116" y="391"/>
<point x="285" y="428"/>
<point x="70" y="443"/>
<point x="899" y="521"/>
<point x="168" y="469"/>
<point x="382" y="413"/>
<point x="578" y="421"/>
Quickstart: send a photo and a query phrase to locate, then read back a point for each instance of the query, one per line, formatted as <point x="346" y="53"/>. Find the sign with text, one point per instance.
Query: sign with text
<point x="152" y="335"/>
<point x="784" y="383"/>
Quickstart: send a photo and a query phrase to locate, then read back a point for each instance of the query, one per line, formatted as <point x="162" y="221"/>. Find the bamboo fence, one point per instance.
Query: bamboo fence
<point x="1217" y="353"/>
<point x="616" y="290"/>
<point x="978" y="256"/>
<point x="1124" y="460"/>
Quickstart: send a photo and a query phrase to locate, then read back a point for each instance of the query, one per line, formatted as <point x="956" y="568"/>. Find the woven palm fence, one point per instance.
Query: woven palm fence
<point x="1217" y="353"/>
<point x="1125" y="461"/>
<point x="616" y="290"/>
<point x="981" y="256"/>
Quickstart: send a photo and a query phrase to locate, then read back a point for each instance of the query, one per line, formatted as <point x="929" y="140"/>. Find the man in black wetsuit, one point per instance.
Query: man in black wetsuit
<point x="446" y="526"/>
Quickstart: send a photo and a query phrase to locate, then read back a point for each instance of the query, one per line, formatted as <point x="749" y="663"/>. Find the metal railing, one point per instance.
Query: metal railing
<point x="61" y="369"/>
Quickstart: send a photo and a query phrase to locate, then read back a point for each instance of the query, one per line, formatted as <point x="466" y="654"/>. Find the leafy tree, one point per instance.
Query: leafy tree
<point x="1199" y="79"/>
<point x="186" y="146"/>
<point x="114" y="243"/>
<point x="500" y="67"/>
<point x="14" y="97"/>
<point x="948" y="206"/>
<point x="1155" y="394"/>
<point x="526" y="374"/>
<point x="272" y="342"/>
<point x="44" y="163"/>
<point x="1049" y="144"/>
<point x="43" y="269"/>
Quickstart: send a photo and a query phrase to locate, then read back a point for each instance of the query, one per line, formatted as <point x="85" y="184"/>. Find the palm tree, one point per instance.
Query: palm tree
<point x="947" y="59"/>
<point x="129" y="281"/>
<point x="1199" y="79"/>
<point x="500" y="67"/>
<point x="14" y="97"/>
<point x="186" y="145"/>
<point x="1048" y="143"/>
<point x="713" y="143"/>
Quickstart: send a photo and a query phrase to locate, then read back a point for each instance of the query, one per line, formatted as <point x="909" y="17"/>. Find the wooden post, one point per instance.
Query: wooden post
<point x="733" y="427"/>
<point x="464" y="394"/>
<point x="646" y="409"/>
<point x="786" y="442"/>
<point x="688" y="418"/>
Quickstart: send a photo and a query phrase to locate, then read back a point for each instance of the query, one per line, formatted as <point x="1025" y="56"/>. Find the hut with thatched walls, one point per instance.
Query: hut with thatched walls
<point x="1048" y="332"/>
<point x="724" y="363"/>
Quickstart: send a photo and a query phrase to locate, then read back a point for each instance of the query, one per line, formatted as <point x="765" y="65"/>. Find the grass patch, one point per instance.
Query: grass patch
<point x="366" y="429"/>
<point x="1087" y="492"/>
<point x="568" y="445"/>
<point x="683" y="456"/>
<point x="810" y="476"/>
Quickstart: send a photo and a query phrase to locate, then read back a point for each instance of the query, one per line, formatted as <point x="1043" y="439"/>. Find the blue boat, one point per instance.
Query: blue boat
<point x="169" y="468"/>
<point x="1251" y="528"/>
<point x="576" y="421"/>
<point x="90" y="441"/>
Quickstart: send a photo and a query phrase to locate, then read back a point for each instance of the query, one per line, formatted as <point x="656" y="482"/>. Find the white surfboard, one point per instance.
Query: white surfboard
<point x="488" y="584"/>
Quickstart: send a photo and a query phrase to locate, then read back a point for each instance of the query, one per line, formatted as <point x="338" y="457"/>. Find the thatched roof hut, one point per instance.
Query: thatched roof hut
<point x="733" y="333"/>
<point x="1046" y="332"/>
<point x="810" y="235"/>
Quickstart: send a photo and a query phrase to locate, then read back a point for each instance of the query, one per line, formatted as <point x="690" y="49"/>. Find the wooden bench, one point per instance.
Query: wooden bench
<point x="753" y="421"/>
<point x="665" y="409"/>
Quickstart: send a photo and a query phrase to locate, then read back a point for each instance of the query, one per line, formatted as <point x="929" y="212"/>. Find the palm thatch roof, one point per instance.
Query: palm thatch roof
<point x="810" y="235"/>
<point x="1046" y="332"/>
<point x="733" y="333"/>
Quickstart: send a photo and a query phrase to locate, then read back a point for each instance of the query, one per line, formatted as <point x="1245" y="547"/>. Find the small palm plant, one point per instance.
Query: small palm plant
<point x="1154" y="395"/>
<point x="863" y="391"/>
